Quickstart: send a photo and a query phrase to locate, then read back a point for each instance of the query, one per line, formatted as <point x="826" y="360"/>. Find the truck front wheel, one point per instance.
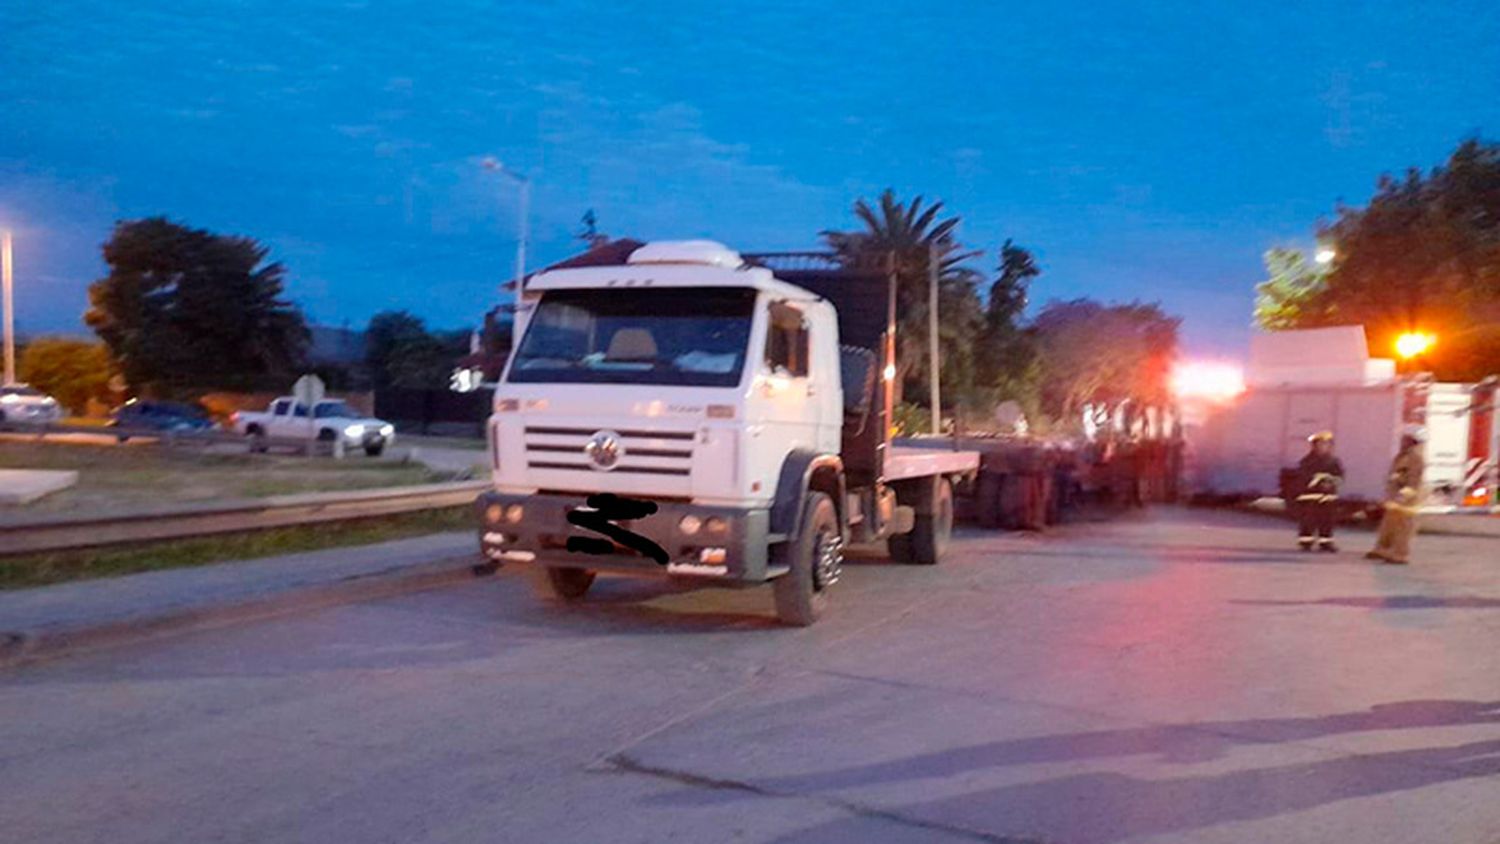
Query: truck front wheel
<point x="564" y="583"/>
<point x="815" y="558"/>
<point x="929" y="537"/>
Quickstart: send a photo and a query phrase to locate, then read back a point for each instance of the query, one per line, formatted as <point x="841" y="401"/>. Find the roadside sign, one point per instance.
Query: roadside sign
<point x="309" y="390"/>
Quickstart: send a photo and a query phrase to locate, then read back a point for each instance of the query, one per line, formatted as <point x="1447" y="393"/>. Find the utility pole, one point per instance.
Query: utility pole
<point x="932" y="338"/>
<point x="6" y="280"/>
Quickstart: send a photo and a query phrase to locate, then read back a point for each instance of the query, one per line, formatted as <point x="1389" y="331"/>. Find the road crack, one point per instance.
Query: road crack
<point x="624" y="763"/>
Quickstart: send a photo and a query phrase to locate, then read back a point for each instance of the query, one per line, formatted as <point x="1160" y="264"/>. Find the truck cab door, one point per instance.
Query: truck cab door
<point x="793" y="410"/>
<point x="281" y="410"/>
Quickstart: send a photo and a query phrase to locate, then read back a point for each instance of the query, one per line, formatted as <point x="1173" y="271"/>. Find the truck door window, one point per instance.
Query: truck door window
<point x="786" y="342"/>
<point x="280" y="408"/>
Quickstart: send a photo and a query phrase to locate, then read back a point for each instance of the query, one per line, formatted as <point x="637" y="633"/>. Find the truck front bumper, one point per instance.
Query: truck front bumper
<point x="729" y="545"/>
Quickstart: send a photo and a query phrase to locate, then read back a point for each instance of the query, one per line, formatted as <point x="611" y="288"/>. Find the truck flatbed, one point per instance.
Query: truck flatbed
<point x="905" y="462"/>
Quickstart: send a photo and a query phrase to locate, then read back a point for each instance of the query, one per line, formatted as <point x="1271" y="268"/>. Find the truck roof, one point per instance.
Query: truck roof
<point x="686" y="263"/>
<point x="859" y="295"/>
<point x="664" y="275"/>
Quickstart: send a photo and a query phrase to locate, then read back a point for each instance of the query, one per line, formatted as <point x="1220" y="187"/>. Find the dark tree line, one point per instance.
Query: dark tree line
<point x="1073" y="357"/>
<point x="1422" y="256"/>
<point x="400" y="351"/>
<point x="185" y="309"/>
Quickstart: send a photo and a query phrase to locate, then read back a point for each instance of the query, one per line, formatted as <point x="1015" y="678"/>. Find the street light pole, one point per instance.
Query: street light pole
<point x="932" y="339"/>
<point x="7" y="282"/>
<point x="525" y="232"/>
<point x="523" y="226"/>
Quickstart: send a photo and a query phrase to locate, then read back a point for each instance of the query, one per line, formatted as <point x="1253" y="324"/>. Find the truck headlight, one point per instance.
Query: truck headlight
<point x="493" y="514"/>
<point x="387" y="430"/>
<point x="716" y="525"/>
<point x="689" y="524"/>
<point x="354" y="431"/>
<point x="514" y="513"/>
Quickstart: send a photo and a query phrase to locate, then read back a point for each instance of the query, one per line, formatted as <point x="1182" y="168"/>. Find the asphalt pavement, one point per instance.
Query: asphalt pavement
<point x="1177" y="676"/>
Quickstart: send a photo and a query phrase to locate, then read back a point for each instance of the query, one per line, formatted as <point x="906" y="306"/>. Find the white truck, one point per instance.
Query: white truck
<point x="23" y="405"/>
<point x="691" y="413"/>
<point x="331" y="421"/>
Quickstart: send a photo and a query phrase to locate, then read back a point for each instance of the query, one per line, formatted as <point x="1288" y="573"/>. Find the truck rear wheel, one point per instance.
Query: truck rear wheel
<point x="929" y="537"/>
<point x="815" y="558"/>
<point x="564" y="583"/>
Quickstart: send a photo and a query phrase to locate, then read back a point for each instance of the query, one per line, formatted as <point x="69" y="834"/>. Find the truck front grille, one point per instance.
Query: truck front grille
<point x="645" y="451"/>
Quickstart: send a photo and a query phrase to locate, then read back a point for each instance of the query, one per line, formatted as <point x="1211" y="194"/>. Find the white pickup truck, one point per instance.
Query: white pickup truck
<point x="332" y="421"/>
<point x="692" y="413"/>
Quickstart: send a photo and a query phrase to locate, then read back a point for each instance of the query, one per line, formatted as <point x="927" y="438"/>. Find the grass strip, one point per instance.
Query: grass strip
<point x="51" y="567"/>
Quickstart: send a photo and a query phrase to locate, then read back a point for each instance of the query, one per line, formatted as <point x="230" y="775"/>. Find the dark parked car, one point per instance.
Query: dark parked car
<point x="160" y="416"/>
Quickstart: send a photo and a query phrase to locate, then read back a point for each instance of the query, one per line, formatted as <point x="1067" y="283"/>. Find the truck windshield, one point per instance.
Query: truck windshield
<point x="682" y="336"/>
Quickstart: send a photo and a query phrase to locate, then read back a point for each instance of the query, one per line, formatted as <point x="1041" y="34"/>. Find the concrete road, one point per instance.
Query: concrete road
<point x="1179" y="677"/>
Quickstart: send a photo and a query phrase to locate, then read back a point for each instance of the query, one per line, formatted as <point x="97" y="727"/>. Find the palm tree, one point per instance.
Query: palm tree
<point x="912" y="235"/>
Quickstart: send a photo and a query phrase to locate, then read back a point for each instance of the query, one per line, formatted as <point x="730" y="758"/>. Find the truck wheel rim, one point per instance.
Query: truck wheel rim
<point x="828" y="560"/>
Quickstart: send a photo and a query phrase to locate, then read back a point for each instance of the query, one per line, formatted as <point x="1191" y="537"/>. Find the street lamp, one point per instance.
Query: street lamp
<point x="489" y="162"/>
<point x="1414" y="343"/>
<point x="7" y="282"/>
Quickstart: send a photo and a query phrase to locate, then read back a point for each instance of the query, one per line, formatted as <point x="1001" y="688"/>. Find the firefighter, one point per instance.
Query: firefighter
<point x="1319" y="476"/>
<point x="1403" y="493"/>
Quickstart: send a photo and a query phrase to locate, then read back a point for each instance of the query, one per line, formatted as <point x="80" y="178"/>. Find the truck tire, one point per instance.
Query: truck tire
<point x="564" y="583"/>
<point x="929" y="537"/>
<point x="375" y="449"/>
<point x="815" y="557"/>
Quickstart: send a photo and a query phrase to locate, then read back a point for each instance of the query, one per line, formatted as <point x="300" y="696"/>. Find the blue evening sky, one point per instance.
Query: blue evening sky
<point x="1142" y="150"/>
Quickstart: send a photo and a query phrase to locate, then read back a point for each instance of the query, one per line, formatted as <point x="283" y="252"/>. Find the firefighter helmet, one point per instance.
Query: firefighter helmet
<point x="1321" y="437"/>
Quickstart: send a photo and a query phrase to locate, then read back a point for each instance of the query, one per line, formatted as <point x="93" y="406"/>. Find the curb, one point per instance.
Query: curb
<point x="18" y="647"/>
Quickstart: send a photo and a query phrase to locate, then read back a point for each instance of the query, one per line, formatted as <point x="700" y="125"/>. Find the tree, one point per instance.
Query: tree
<point x="1009" y="292"/>
<point x="401" y="352"/>
<point x="1009" y="368"/>
<point x="71" y="371"/>
<point x="1288" y="297"/>
<point x="1109" y="357"/>
<point x="911" y="235"/>
<point x="389" y="335"/>
<point x="1424" y="255"/>
<point x="185" y="309"/>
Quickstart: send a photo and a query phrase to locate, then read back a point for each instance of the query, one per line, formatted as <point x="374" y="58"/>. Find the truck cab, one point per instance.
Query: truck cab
<point x="685" y="414"/>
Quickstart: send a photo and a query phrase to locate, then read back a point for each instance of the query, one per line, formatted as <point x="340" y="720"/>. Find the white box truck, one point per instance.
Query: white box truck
<point x="1241" y="450"/>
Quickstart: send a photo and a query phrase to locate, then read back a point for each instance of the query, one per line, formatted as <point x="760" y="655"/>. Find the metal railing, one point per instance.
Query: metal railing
<point x="72" y="532"/>
<point x="170" y="439"/>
